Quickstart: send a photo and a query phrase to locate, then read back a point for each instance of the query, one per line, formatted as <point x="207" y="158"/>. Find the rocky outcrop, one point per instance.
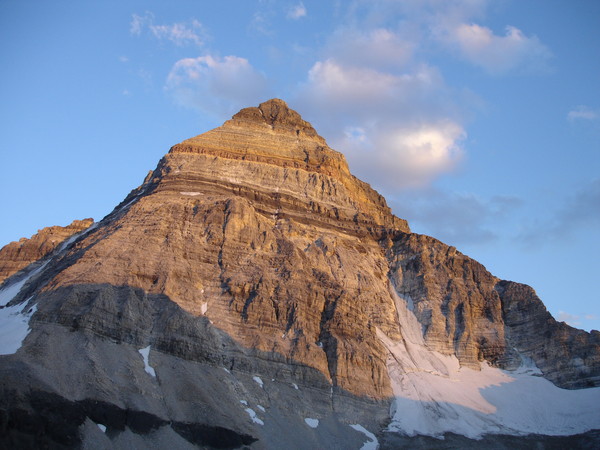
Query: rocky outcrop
<point x="18" y="255"/>
<point x="467" y="312"/>
<point x="567" y="356"/>
<point x="454" y="299"/>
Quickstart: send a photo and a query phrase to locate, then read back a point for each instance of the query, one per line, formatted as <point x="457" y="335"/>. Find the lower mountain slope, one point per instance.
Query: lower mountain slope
<point x="252" y="292"/>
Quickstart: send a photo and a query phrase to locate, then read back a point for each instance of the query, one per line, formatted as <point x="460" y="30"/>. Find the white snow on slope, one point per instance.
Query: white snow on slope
<point x="11" y="291"/>
<point x="253" y="416"/>
<point x="74" y="237"/>
<point x="14" y="322"/>
<point x="372" y="443"/>
<point x="14" y="328"/>
<point x="145" y="352"/>
<point x="313" y="423"/>
<point x="258" y="380"/>
<point x="434" y="395"/>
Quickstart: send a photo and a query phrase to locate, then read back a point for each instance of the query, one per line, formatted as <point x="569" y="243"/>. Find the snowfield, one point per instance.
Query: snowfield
<point x="14" y="327"/>
<point x="434" y="395"/>
<point x="14" y="320"/>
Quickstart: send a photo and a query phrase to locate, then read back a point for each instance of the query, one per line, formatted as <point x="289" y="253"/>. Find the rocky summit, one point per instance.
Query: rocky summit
<point x="252" y="293"/>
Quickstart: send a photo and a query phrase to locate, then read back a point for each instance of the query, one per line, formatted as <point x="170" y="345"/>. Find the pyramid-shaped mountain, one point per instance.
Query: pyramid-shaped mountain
<point x="253" y="293"/>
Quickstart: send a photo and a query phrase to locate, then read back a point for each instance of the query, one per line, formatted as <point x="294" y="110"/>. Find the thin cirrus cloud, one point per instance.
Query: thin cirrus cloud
<point x="583" y="112"/>
<point x="297" y="12"/>
<point x="181" y="33"/>
<point x="217" y="86"/>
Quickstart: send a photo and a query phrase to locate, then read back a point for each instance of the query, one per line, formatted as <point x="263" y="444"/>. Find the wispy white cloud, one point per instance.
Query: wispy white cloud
<point x="138" y="23"/>
<point x="261" y="22"/>
<point x="216" y="86"/>
<point x="458" y="26"/>
<point x="497" y="54"/>
<point x="297" y="12"/>
<point x="181" y="33"/>
<point x="583" y="112"/>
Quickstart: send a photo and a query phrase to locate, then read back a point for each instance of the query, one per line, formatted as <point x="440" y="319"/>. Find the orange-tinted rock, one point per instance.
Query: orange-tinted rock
<point x="18" y="255"/>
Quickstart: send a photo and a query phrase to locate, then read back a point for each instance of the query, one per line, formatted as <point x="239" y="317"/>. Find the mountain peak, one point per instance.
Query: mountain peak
<point x="270" y="148"/>
<point x="278" y="115"/>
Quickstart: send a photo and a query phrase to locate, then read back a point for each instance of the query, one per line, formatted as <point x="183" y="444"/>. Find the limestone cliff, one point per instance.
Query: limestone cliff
<point x="252" y="248"/>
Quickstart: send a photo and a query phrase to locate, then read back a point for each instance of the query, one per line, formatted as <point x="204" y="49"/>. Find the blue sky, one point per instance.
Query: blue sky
<point x="478" y="120"/>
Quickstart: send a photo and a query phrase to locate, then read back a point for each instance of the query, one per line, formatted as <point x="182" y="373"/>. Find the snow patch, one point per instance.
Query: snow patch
<point x="244" y="402"/>
<point x="372" y="443"/>
<point x="11" y="291"/>
<point x="434" y="395"/>
<point x="258" y="381"/>
<point x="262" y="408"/>
<point x="528" y="367"/>
<point x="192" y="194"/>
<point x="295" y="386"/>
<point x="204" y="308"/>
<point x="131" y="202"/>
<point x="253" y="416"/>
<point x="226" y="370"/>
<point x="145" y="352"/>
<point x="102" y="427"/>
<point x="75" y="236"/>
<point x="313" y="423"/>
<point x="14" y="327"/>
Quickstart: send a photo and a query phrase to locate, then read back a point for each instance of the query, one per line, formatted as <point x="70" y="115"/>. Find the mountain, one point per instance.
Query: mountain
<point x="253" y="293"/>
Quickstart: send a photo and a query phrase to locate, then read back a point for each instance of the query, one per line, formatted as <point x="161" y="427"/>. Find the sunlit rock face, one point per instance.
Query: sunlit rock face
<point x="18" y="255"/>
<point x="252" y="285"/>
